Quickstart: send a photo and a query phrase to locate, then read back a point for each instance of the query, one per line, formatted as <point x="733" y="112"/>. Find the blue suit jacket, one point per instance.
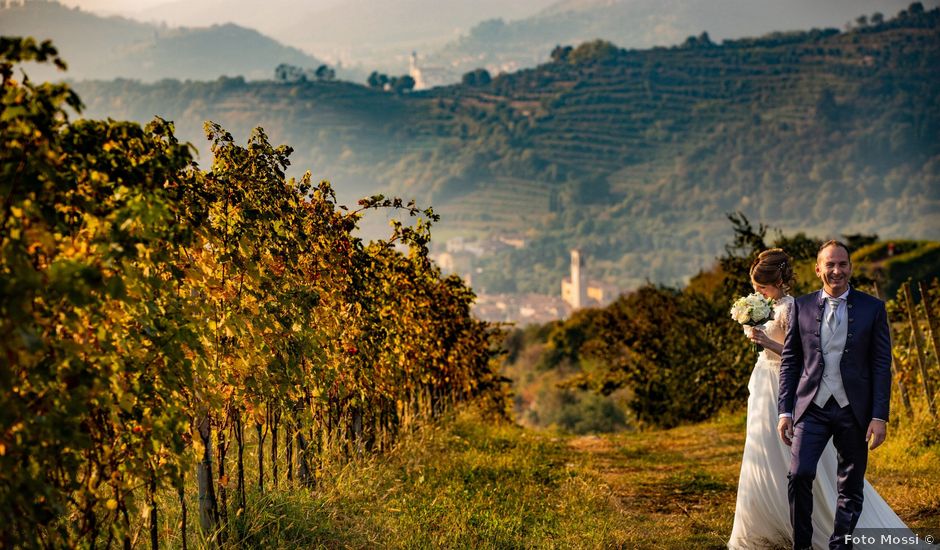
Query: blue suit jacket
<point x="866" y="360"/>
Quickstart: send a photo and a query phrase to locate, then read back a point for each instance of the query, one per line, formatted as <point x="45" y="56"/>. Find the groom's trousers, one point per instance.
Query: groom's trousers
<point x="810" y="436"/>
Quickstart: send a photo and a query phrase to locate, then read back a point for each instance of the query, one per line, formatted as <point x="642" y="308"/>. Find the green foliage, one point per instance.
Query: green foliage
<point x="634" y="156"/>
<point x="676" y="355"/>
<point x="597" y="51"/>
<point x="477" y="77"/>
<point x="888" y="264"/>
<point x="461" y="482"/>
<point x="150" y="310"/>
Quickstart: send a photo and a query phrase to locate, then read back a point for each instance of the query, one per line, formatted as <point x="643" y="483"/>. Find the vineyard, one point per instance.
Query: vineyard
<point x="178" y="345"/>
<point x="157" y="319"/>
<point x="640" y="153"/>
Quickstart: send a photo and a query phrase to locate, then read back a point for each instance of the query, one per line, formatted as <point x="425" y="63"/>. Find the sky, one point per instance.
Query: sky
<point x="126" y="7"/>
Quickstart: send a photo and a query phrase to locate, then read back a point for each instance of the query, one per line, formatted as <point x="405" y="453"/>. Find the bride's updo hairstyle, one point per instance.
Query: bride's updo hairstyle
<point x="772" y="267"/>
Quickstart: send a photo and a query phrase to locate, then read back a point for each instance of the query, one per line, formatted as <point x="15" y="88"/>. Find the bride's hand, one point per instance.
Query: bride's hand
<point x="758" y="336"/>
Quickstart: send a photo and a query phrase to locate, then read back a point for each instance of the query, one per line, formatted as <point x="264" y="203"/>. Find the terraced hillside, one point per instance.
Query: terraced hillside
<point x="635" y="156"/>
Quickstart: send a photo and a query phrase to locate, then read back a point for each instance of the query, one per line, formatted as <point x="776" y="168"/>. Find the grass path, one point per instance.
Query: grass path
<point x="468" y="483"/>
<point x="676" y="487"/>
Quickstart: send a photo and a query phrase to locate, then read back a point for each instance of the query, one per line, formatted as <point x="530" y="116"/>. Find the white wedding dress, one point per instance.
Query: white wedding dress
<point x="762" y="512"/>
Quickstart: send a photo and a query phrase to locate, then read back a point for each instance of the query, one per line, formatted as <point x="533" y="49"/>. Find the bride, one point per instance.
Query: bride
<point x="762" y="511"/>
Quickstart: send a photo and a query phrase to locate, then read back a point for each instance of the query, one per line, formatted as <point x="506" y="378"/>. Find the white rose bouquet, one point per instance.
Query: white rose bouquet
<point x="752" y="310"/>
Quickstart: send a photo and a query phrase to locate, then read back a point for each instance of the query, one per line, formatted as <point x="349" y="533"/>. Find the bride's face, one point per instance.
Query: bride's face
<point x="772" y="292"/>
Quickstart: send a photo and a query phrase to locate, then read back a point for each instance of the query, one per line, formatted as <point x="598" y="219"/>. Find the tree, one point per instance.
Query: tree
<point x="858" y="240"/>
<point x="289" y="73"/>
<point x="476" y="77"/>
<point x="401" y="84"/>
<point x="377" y="80"/>
<point x="325" y="72"/>
<point x="596" y="51"/>
<point x="747" y="244"/>
<point x="700" y="41"/>
<point x="560" y="54"/>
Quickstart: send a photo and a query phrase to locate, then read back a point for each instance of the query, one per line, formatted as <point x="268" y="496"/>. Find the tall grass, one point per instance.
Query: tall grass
<point x="461" y="482"/>
<point x="470" y="482"/>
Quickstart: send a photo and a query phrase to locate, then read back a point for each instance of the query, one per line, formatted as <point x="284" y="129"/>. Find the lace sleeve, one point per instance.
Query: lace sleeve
<point x="777" y="328"/>
<point x="782" y="314"/>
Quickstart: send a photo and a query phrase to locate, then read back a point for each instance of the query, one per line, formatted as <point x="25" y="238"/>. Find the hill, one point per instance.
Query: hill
<point x="635" y="156"/>
<point x="502" y="45"/>
<point x="115" y="47"/>
<point x="370" y="34"/>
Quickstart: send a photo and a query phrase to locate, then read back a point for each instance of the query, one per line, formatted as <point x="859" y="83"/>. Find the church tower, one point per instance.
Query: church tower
<point x="415" y="72"/>
<point x="578" y="280"/>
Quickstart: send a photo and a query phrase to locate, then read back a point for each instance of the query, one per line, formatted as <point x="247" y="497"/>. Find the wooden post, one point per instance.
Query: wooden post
<point x="275" y="419"/>
<point x="259" y="428"/>
<point x="304" y="475"/>
<point x="896" y="366"/>
<point x="932" y="329"/>
<point x="921" y="360"/>
<point x="289" y="447"/>
<point x="208" y="509"/>
<point x="152" y="497"/>
<point x="181" y="492"/>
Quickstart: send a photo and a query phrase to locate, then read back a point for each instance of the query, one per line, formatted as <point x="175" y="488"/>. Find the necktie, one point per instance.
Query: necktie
<point x="833" y="318"/>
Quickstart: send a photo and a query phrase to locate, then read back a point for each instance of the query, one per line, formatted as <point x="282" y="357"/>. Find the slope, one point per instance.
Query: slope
<point x="506" y="45"/>
<point x="638" y="154"/>
<point x="115" y="47"/>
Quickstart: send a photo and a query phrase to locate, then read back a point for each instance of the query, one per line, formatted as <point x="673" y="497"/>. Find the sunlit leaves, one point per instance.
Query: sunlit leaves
<point x="141" y="296"/>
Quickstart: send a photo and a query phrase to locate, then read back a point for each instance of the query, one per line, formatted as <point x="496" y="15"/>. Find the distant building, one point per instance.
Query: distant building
<point x="428" y="77"/>
<point x="515" y="241"/>
<point x="578" y="291"/>
<point x="574" y="288"/>
<point x="460" y="262"/>
<point x="521" y="309"/>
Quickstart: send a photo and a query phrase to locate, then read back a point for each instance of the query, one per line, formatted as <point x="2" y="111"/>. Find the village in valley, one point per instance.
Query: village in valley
<point x="576" y="291"/>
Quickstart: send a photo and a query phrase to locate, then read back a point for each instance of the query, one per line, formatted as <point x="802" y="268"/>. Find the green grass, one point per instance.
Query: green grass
<point x="465" y="482"/>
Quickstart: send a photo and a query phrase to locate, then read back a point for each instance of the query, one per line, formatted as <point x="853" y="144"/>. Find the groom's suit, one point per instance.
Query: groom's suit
<point x="834" y="378"/>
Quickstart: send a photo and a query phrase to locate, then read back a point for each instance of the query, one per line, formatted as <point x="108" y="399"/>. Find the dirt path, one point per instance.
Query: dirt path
<point x="673" y="483"/>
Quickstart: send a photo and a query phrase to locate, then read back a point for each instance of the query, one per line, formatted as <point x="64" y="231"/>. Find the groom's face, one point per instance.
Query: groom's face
<point x="833" y="267"/>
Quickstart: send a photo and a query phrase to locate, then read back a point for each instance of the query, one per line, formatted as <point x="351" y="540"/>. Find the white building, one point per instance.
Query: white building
<point x="428" y="77"/>
<point x="578" y="292"/>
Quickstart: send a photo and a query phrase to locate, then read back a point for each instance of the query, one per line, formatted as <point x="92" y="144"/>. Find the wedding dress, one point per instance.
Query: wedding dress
<point x="762" y="511"/>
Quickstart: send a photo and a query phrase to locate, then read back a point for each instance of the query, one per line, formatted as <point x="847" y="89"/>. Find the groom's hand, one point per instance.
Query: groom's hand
<point x="877" y="431"/>
<point x="785" y="429"/>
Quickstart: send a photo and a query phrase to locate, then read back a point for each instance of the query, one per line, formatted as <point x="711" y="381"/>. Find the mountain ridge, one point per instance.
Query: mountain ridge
<point x="504" y="46"/>
<point x="634" y="156"/>
<point x="98" y="47"/>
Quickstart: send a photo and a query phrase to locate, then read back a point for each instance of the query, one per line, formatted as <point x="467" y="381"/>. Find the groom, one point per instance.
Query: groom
<point x="835" y="382"/>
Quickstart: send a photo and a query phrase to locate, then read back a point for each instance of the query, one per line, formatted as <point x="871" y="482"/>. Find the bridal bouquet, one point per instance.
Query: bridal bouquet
<point x="752" y="310"/>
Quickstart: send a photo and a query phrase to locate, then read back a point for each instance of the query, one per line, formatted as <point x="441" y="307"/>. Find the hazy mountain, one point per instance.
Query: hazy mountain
<point x="373" y="34"/>
<point x="634" y="156"/>
<point x="500" y="45"/>
<point x="116" y="47"/>
<point x="276" y="16"/>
